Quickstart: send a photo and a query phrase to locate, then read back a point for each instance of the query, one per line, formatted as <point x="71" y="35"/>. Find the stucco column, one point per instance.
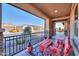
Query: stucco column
<point x="68" y="28"/>
<point x="72" y="24"/>
<point x="78" y="20"/>
<point x="1" y="40"/>
<point x="48" y="27"/>
<point x="1" y="32"/>
<point x="53" y="28"/>
<point x="65" y="25"/>
<point x="45" y="29"/>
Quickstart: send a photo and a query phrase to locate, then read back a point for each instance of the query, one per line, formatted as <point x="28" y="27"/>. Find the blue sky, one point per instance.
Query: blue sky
<point x="16" y="16"/>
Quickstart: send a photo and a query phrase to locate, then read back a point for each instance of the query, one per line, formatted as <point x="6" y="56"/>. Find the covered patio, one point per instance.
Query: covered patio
<point x="51" y="13"/>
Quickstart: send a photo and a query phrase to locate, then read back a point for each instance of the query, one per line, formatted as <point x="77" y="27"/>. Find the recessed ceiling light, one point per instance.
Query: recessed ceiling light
<point x="56" y="11"/>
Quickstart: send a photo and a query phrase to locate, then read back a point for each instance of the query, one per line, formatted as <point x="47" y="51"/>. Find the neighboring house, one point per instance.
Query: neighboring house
<point x="13" y="28"/>
<point x="7" y="27"/>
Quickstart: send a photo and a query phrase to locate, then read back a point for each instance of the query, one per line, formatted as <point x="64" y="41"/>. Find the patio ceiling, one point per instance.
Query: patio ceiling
<point x="46" y="10"/>
<point x="54" y="10"/>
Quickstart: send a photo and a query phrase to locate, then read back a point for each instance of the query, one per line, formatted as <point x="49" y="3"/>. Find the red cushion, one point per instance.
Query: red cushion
<point x="45" y="44"/>
<point x="68" y="49"/>
<point x="55" y="51"/>
<point x="58" y="42"/>
<point x="44" y="41"/>
<point x="29" y="49"/>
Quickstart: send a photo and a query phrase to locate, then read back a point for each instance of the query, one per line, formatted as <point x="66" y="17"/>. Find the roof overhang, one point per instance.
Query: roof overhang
<point x="54" y="11"/>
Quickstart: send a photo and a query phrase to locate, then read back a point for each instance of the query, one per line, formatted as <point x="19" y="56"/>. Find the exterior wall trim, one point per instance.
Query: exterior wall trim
<point x="2" y="30"/>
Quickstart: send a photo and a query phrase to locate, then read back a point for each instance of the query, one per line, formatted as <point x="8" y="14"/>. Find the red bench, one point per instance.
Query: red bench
<point x="54" y="51"/>
<point x="59" y="43"/>
<point x="45" y="44"/>
<point x="68" y="48"/>
<point x="57" y="48"/>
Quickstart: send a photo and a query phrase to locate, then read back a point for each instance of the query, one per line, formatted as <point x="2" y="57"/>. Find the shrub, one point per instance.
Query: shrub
<point x="27" y="30"/>
<point x="19" y="42"/>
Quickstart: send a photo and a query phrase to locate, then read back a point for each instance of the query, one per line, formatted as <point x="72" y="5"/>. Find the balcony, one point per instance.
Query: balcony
<point x="17" y="45"/>
<point x="51" y="13"/>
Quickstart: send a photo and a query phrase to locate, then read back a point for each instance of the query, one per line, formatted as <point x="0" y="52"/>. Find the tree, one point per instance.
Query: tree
<point x="27" y="30"/>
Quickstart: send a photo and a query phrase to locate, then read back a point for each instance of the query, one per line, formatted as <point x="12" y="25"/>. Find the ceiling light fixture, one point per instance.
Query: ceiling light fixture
<point x="56" y="11"/>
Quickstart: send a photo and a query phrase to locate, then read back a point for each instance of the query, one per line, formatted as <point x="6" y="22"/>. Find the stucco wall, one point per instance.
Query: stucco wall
<point x="74" y="40"/>
<point x="1" y="39"/>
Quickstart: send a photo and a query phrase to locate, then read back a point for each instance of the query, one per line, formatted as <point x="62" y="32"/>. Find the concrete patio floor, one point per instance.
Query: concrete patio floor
<point x="36" y="51"/>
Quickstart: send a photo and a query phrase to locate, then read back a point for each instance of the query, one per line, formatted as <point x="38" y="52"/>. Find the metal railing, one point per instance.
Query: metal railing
<point x="17" y="43"/>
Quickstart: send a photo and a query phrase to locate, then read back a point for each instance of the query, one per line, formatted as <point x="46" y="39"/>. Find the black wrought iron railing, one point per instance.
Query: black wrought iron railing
<point x="17" y="43"/>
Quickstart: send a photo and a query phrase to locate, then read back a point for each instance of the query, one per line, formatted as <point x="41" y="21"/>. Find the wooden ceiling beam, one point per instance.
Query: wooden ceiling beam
<point x="61" y="18"/>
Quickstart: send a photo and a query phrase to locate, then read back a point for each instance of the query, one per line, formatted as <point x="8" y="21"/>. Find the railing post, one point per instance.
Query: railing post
<point x="30" y="37"/>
